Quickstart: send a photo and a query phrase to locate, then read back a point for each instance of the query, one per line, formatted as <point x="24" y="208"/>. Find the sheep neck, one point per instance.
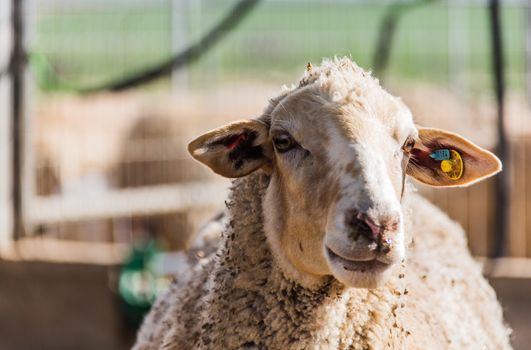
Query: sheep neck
<point x="246" y="274"/>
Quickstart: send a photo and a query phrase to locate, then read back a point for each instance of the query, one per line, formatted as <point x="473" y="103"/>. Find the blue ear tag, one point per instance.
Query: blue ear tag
<point x="440" y="154"/>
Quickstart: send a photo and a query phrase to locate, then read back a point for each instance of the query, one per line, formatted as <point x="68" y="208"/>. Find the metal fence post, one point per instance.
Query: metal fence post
<point x="502" y="148"/>
<point x="179" y="39"/>
<point x="6" y="224"/>
<point x="528" y="52"/>
<point x="17" y="66"/>
<point x="457" y="44"/>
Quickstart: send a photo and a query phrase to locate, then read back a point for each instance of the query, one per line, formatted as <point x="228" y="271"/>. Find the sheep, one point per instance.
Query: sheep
<point x="125" y="153"/>
<point x="324" y="248"/>
<point x="144" y="162"/>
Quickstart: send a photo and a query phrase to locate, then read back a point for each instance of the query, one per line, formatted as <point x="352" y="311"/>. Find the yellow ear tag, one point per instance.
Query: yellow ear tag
<point x="453" y="167"/>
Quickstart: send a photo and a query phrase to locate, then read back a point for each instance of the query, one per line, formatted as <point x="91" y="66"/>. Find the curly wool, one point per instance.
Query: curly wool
<point x="240" y="299"/>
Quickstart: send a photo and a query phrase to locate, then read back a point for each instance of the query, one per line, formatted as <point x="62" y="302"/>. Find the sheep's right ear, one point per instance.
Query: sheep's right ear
<point x="234" y="150"/>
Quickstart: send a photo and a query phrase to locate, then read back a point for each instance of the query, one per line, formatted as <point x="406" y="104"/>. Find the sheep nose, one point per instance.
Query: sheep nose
<point x="361" y="224"/>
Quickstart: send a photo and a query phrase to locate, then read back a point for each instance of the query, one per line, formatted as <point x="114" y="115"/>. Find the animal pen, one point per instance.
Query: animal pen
<point x="93" y="157"/>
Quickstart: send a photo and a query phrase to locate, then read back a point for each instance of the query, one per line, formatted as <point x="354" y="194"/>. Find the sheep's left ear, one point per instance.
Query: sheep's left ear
<point x="234" y="150"/>
<point x="442" y="158"/>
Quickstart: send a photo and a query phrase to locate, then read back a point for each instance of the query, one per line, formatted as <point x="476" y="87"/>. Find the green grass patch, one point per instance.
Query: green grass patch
<point x="82" y="48"/>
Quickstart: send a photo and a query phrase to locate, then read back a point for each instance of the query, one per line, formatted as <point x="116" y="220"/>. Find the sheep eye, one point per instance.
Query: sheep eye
<point x="409" y="144"/>
<point x="284" y="143"/>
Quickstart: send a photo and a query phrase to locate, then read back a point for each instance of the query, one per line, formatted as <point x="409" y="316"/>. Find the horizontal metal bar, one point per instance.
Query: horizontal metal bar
<point x="510" y="267"/>
<point x="66" y="252"/>
<point x="133" y="201"/>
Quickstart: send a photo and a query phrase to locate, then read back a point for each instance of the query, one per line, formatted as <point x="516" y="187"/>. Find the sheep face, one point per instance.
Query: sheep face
<point x="333" y="203"/>
<point x="335" y="148"/>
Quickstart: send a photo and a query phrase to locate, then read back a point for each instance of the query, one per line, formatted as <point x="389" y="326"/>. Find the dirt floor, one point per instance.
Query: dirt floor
<point x="70" y="306"/>
<point x="59" y="306"/>
<point x="515" y="296"/>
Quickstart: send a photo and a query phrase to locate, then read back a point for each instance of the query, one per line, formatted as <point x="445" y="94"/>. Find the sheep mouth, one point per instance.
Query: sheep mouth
<point x="372" y="265"/>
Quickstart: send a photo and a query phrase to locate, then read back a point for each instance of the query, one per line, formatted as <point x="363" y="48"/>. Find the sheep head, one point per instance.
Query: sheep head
<point x="337" y="148"/>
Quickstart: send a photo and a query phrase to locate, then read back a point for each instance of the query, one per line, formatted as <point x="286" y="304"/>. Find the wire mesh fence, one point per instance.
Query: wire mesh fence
<point x="113" y="166"/>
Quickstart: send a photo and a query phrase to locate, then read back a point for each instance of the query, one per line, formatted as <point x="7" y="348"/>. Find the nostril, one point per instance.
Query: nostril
<point x="360" y="224"/>
<point x="360" y="227"/>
